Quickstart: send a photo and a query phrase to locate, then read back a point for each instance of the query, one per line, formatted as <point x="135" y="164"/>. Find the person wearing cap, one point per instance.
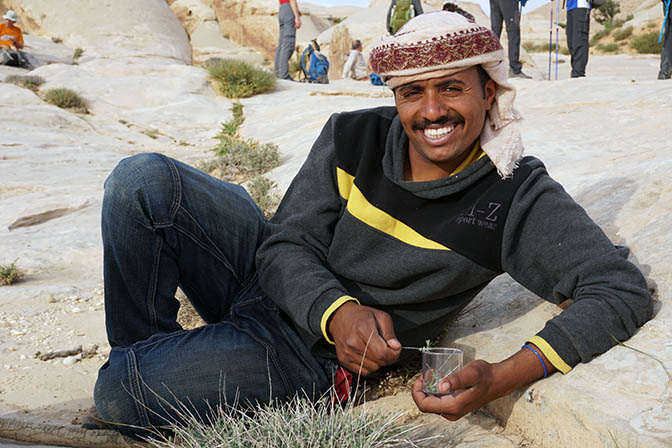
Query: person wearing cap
<point x="11" y="41"/>
<point x="289" y="20"/>
<point x="11" y="37"/>
<point x="398" y="218"/>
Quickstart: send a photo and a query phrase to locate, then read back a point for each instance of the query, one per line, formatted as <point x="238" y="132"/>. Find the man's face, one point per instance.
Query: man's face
<point x="10" y="23"/>
<point x="442" y="117"/>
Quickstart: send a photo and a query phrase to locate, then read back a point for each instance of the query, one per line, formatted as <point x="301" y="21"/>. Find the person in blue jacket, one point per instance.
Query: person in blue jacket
<point x="578" y="28"/>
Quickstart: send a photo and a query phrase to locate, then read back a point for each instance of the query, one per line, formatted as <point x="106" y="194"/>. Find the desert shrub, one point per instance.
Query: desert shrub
<point x="263" y="191"/>
<point x="535" y="47"/>
<point x="608" y="48"/>
<point x="56" y="40"/>
<point x="9" y="274"/>
<point x="607" y="12"/>
<point x="151" y="133"/>
<point x="238" y="159"/>
<point x="77" y="54"/>
<point x="238" y="79"/>
<point x="231" y="127"/>
<point x="622" y="34"/>
<point x="598" y="36"/>
<point x="66" y="99"/>
<point x="647" y="43"/>
<point x="27" y="82"/>
<point x="297" y="424"/>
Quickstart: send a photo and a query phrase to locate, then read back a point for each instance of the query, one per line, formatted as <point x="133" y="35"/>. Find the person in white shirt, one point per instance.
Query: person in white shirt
<point x="355" y="67"/>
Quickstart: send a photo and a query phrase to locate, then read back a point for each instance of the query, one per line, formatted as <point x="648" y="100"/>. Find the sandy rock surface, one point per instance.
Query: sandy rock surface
<point x="605" y="138"/>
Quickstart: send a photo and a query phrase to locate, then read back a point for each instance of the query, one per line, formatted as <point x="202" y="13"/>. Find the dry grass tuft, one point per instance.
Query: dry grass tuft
<point x="10" y="274"/>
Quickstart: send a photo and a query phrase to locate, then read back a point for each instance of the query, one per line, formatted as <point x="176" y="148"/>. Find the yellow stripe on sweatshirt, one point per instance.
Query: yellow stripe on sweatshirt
<point x="362" y="209"/>
<point x="550" y="354"/>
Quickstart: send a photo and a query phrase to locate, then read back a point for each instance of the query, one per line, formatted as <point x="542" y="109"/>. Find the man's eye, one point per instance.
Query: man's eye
<point x="410" y="93"/>
<point x="452" y="90"/>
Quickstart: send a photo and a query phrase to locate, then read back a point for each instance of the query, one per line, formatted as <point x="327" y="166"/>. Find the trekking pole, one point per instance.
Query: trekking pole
<point x="557" y="36"/>
<point x="550" y="42"/>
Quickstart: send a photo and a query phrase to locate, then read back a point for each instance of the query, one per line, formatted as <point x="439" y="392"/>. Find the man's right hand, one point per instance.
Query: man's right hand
<point x="364" y="338"/>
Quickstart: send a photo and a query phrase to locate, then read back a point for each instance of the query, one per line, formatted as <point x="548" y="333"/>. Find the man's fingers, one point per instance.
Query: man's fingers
<point x="463" y="379"/>
<point x="429" y="403"/>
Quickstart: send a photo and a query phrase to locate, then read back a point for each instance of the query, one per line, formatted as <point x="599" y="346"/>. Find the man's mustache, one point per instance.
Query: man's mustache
<point x="446" y="119"/>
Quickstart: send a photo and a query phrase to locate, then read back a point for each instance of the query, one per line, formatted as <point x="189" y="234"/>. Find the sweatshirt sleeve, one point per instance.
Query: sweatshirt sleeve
<point x="291" y="261"/>
<point x="552" y="247"/>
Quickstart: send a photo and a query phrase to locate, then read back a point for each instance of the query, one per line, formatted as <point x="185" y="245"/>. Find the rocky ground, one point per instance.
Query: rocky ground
<point x="605" y="137"/>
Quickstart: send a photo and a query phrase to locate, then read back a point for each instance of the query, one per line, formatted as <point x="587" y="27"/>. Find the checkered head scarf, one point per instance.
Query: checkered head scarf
<point x="441" y="43"/>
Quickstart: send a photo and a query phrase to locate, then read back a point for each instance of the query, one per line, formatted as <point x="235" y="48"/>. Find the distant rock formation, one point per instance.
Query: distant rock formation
<point x="339" y="46"/>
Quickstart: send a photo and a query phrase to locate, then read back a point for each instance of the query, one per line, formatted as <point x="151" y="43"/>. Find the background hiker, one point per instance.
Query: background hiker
<point x="665" y="35"/>
<point x="11" y="41"/>
<point x="314" y="64"/>
<point x="400" y="12"/>
<point x="356" y="67"/>
<point x="290" y="21"/>
<point x="398" y="218"/>
<point x="508" y="11"/>
<point x="577" y="30"/>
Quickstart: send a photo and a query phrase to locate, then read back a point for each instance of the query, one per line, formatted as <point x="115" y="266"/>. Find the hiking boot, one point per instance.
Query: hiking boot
<point x="519" y="74"/>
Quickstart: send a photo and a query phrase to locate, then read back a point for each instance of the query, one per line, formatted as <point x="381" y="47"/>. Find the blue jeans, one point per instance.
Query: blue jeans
<point x="165" y="225"/>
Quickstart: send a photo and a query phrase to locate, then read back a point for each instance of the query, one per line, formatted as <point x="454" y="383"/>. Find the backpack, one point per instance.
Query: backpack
<point x="402" y="12"/>
<point x="318" y="64"/>
<point x="376" y="80"/>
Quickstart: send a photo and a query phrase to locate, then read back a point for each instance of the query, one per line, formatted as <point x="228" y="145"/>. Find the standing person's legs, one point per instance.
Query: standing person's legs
<point x="666" y="53"/>
<point x="512" y="20"/>
<point x="569" y="33"/>
<point x="496" y="18"/>
<point x="286" y="41"/>
<point x="580" y="18"/>
<point x="166" y="223"/>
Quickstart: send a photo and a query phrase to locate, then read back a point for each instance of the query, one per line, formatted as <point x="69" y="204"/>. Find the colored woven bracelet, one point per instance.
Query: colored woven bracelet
<point x="540" y="360"/>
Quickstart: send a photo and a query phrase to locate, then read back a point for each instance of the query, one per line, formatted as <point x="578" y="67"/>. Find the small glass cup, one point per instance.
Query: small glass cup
<point x="437" y="364"/>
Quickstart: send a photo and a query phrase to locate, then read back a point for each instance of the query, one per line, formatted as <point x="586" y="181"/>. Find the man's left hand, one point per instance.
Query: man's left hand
<point x="480" y="382"/>
<point x="471" y="388"/>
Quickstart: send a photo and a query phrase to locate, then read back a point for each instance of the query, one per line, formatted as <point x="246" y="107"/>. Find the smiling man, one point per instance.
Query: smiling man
<point x="398" y="218"/>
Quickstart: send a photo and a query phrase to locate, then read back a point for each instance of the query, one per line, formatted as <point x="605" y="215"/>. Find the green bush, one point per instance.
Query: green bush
<point x="27" y="82"/>
<point x="607" y="12"/>
<point x="77" y="54"/>
<point x="230" y="128"/>
<point x="622" y="34"/>
<point x="238" y="79"/>
<point x="263" y="191"/>
<point x="66" y="99"/>
<point x="608" y="48"/>
<point x="598" y="36"/>
<point x="10" y="274"/>
<point x="647" y="43"/>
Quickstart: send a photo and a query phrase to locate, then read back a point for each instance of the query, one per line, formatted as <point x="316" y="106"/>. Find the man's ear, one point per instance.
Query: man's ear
<point x="490" y="90"/>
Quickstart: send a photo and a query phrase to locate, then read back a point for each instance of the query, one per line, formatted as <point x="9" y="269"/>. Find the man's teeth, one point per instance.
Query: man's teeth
<point x="438" y="133"/>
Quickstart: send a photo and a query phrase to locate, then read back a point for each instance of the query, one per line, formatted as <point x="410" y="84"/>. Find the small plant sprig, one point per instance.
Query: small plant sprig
<point x="10" y="274"/>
